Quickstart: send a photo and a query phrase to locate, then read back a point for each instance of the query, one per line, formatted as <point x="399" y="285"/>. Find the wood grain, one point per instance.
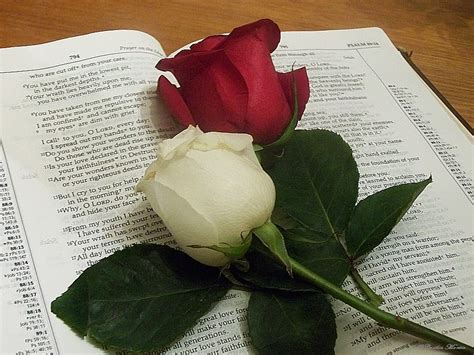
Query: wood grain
<point x="440" y="33"/>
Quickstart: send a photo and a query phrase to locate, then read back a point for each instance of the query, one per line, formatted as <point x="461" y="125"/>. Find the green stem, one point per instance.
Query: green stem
<point x="370" y="294"/>
<point x="373" y="298"/>
<point x="384" y="318"/>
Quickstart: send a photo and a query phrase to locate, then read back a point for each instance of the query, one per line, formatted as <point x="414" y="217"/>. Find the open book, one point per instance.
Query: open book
<point x="80" y="121"/>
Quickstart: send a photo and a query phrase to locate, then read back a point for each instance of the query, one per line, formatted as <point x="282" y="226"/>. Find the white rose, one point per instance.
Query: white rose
<point x="209" y="189"/>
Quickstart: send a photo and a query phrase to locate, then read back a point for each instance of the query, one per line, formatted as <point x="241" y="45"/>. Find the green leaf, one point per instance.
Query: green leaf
<point x="375" y="216"/>
<point x="317" y="181"/>
<point x="320" y="253"/>
<point x="282" y="220"/>
<point x="141" y="298"/>
<point x="265" y="271"/>
<point x="72" y="307"/>
<point x="291" y="323"/>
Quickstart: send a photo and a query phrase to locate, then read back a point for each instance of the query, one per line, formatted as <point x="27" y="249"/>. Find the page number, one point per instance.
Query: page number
<point x="74" y="56"/>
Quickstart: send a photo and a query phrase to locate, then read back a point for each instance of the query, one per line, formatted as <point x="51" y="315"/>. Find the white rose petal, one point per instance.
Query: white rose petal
<point x="209" y="189"/>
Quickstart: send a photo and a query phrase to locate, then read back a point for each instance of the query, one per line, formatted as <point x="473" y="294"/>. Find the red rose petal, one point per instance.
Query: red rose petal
<point x="186" y="67"/>
<point x="167" y="64"/>
<point x="181" y="58"/>
<point x="175" y="102"/>
<point x="209" y="43"/>
<point x="230" y="83"/>
<point x="302" y="88"/>
<point x="264" y="30"/>
<point x="268" y="111"/>
<point x="217" y="95"/>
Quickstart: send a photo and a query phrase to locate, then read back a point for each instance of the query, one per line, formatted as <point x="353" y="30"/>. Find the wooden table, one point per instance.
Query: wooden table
<point x="440" y="33"/>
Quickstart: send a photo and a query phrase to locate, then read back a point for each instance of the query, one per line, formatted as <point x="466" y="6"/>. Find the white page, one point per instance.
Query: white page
<point x="66" y="105"/>
<point x="363" y="89"/>
<point x="74" y="162"/>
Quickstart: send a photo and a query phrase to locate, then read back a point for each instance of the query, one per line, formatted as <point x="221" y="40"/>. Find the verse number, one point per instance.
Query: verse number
<point x="74" y="56"/>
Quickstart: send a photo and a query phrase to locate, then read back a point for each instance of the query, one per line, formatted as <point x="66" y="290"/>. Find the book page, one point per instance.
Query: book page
<point x="80" y="123"/>
<point x="363" y="89"/>
<point x="70" y="110"/>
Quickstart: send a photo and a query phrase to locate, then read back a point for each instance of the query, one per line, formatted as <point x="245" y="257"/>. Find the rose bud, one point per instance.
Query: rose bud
<point x="228" y="84"/>
<point x="209" y="189"/>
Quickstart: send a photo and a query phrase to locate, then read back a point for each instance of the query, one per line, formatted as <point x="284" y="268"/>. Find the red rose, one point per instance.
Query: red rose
<point x="229" y="84"/>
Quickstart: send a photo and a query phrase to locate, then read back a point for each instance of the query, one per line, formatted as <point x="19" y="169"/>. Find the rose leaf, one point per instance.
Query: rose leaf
<point x="317" y="181"/>
<point x="141" y="298"/>
<point x="321" y="254"/>
<point x="376" y="215"/>
<point x="264" y="271"/>
<point x="297" y="323"/>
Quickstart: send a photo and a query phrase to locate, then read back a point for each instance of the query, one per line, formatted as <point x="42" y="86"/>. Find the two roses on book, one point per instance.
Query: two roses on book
<point x="209" y="188"/>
